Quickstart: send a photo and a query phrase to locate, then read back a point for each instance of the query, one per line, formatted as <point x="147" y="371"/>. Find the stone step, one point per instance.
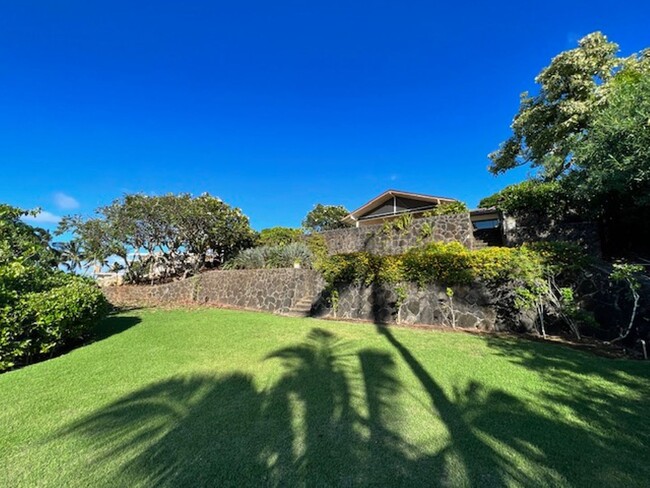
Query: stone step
<point x="302" y="308"/>
<point x="479" y="244"/>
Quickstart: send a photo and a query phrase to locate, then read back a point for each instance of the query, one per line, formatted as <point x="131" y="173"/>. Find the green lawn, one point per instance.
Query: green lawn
<point x="227" y="398"/>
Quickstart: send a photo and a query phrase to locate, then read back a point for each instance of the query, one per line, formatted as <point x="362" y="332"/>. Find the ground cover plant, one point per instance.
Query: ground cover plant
<point x="226" y="398"/>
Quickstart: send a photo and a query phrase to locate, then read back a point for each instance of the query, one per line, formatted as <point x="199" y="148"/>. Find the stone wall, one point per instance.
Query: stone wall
<point x="280" y="290"/>
<point x="378" y="240"/>
<point x="472" y="306"/>
<point x="520" y="231"/>
<point x="273" y="290"/>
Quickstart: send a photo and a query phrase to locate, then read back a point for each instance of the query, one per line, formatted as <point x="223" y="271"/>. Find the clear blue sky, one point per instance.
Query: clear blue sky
<point x="273" y="106"/>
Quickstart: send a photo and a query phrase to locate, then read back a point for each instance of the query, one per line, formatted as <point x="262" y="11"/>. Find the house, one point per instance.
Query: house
<point x="487" y="222"/>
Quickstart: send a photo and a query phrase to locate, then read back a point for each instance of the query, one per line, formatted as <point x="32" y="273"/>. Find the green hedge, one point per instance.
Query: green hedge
<point x="532" y="199"/>
<point x="447" y="264"/>
<point x="41" y="324"/>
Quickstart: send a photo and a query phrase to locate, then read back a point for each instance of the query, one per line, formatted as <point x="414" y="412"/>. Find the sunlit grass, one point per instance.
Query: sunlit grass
<point x="218" y="398"/>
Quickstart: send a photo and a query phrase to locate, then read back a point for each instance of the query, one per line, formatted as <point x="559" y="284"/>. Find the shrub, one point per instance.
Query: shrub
<point x="42" y="309"/>
<point x="272" y="257"/>
<point x="41" y="324"/>
<point x="531" y="199"/>
<point x="451" y="208"/>
<point x="279" y="236"/>
<point x="445" y="263"/>
<point x="561" y="257"/>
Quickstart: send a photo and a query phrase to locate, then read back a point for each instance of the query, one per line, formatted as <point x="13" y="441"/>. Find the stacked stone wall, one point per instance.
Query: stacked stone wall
<point x="273" y="290"/>
<point x="521" y="231"/>
<point x="471" y="307"/>
<point x="381" y="239"/>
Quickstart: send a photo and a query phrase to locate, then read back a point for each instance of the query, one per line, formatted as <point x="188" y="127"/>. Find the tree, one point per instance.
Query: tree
<point x="325" y="217"/>
<point x="71" y="255"/>
<point x="587" y="130"/>
<point x="160" y="237"/>
<point x="547" y="125"/>
<point x="615" y="158"/>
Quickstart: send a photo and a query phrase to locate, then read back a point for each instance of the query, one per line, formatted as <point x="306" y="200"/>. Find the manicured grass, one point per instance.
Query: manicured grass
<point x="227" y="398"/>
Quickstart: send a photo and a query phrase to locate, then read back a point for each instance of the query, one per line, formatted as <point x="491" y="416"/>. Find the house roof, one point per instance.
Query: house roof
<point x="387" y="195"/>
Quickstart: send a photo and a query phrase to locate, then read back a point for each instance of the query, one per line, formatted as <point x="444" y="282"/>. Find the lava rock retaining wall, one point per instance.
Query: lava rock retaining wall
<point x="273" y="290"/>
<point x="377" y="239"/>
<point x="473" y="306"/>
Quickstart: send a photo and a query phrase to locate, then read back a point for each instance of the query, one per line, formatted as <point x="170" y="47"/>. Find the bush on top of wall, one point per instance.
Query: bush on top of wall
<point x="444" y="263"/>
<point x="281" y="256"/>
<point x="535" y="278"/>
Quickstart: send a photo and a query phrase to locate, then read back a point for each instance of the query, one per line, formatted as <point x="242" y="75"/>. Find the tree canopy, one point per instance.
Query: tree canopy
<point x="572" y="89"/>
<point x="325" y="217"/>
<point x="159" y="237"/>
<point x="588" y="130"/>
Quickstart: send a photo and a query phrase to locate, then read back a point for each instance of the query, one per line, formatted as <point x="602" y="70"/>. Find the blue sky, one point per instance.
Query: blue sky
<point x="272" y="106"/>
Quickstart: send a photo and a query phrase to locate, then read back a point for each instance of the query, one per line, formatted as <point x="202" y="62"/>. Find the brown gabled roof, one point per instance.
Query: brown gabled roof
<point x="387" y="195"/>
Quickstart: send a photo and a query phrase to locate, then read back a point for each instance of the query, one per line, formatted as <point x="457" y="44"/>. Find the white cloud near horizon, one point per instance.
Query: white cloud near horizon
<point x="44" y="217"/>
<point x="65" y="202"/>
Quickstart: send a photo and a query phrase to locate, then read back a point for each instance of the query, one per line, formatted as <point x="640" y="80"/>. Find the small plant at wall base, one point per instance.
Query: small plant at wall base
<point x="333" y="299"/>
<point x="629" y="275"/>
<point x="402" y="295"/>
<point x="449" y="305"/>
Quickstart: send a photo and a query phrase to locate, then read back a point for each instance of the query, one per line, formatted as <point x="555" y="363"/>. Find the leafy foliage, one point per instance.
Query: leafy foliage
<point x="42" y="310"/>
<point x="587" y="129"/>
<point x="628" y="274"/>
<point x="279" y="236"/>
<point x="615" y="158"/>
<point x="400" y="224"/>
<point x="532" y="199"/>
<point x="283" y="256"/>
<point x="443" y="263"/>
<point x="520" y="279"/>
<point x="548" y="124"/>
<point x="325" y="217"/>
<point x="451" y="208"/>
<point x="160" y="237"/>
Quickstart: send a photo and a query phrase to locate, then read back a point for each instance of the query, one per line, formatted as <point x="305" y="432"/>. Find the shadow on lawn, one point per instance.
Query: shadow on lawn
<point x="329" y="422"/>
<point x="114" y="324"/>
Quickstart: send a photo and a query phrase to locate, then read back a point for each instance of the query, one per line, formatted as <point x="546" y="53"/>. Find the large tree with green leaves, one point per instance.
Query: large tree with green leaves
<point x="548" y="124"/>
<point x="159" y="237"/>
<point x="587" y="129"/>
<point x="325" y="217"/>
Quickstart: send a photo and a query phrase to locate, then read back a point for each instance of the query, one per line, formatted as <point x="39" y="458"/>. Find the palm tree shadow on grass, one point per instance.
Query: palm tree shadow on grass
<point x="332" y="419"/>
<point x="114" y="324"/>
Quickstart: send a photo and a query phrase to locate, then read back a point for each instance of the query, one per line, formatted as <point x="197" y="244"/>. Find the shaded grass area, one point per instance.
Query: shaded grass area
<point x="227" y="398"/>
